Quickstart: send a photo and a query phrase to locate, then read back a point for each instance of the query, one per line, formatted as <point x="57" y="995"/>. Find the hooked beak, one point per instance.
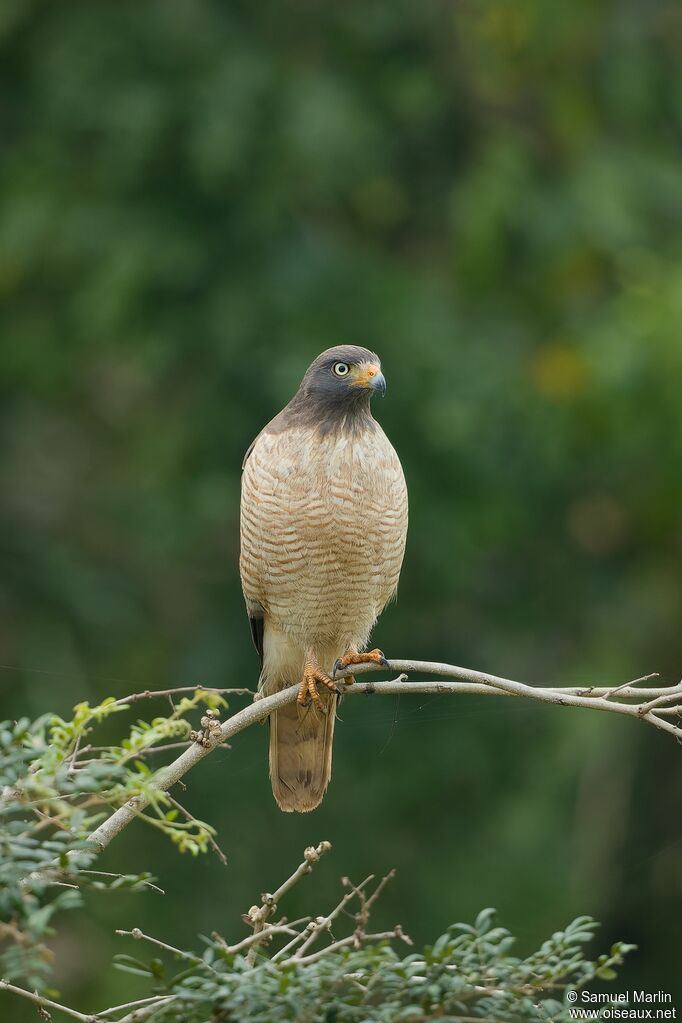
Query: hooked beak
<point x="369" y="375"/>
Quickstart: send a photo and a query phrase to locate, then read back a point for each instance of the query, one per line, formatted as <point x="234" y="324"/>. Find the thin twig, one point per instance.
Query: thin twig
<point x="627" y="685"/>
<point x="149" y="694"/>
<point x="265" y="934"/>
<point x="139" y="935"/>
<point x="378" y="890"/>
<point x="163" y="749"/>
<point x="672" y="711"/>
<point x="108" y="873"/>
<point x="352" y="939"/>
<point x="211" y="840"/>
<point x="71" y="770"/>
<point x="324" y="923"/>
<point x="258" y="915"/>
<point x="133" y="1005"/>
<point x="145" y="1012"/>
<point x="675" y="693"/>
<point x="292" y="944"/>
<point x="46" y="1003"/>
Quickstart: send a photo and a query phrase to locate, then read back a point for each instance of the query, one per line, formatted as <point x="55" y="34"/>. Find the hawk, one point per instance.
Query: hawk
<point x="323" y="529"/>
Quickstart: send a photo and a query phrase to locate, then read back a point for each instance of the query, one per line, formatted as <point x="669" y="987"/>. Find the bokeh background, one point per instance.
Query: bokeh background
<point x="198" y="198"/>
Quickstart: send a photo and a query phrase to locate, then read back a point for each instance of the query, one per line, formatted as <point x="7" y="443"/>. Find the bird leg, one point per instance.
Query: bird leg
<point x="312" y="676"/>
<point x="375" y="656"/>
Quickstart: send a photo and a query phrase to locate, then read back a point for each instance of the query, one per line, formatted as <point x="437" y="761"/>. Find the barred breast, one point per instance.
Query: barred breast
<point x="323" y="529"/>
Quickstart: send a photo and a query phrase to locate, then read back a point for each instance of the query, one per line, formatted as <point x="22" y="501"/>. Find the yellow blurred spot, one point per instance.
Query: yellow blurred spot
<point x="509" y="26"/>
<point x="559" y="371"/>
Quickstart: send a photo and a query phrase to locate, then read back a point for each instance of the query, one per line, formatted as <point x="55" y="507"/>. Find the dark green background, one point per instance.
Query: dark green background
<point x="198" y="198"/>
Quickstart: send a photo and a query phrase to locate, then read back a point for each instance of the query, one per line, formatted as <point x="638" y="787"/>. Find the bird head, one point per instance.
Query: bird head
<point x="346" y="375"/>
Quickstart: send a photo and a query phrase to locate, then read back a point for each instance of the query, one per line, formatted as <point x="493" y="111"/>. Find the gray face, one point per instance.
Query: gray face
<point x="345" y="376"/>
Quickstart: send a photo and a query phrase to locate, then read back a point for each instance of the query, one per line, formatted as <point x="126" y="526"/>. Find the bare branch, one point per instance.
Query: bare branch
<point x="46" y="1003"/>
<point x="353" y="939"/>
<point x="150" y="694"/>
<point x="378" y="890"/>
<point x="323" y="923"/>
<point x="144" y="1012"/>
<point x="139" y="935"/>
<point x="293" y="943"/>
<point x="454" y="680"/>
<point x="148" y="1004"/>
<point x="211" y="840"/>
<point x="265" y="934"/>
<point x="257" y="916"/>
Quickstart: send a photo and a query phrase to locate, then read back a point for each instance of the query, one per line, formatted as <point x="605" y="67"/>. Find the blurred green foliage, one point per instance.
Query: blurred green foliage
<point x="198" y="198"/>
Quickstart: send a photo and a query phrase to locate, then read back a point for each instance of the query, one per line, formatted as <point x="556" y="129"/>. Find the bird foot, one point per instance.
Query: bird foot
<point x="312" y="677"/>
<point x="375" y="656"/>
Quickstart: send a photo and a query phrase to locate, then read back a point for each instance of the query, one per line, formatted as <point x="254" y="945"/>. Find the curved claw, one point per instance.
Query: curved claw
<point x="375" y="656"/>
<point x="339" y="667"/>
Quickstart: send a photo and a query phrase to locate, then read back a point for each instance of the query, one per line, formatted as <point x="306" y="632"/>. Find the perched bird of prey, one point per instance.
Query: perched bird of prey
<point x="323" y="528"/>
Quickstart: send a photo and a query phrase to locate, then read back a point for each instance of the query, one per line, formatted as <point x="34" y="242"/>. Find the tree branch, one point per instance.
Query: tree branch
<point x="139" y="935"/>
<point x="650" y="704"/>
<point x="324" y="923"/>
<point x="352" y="939"/>
<point x="150" y="694"/>
<point x="258" y="916"/>
<point x="46" y="1003"/>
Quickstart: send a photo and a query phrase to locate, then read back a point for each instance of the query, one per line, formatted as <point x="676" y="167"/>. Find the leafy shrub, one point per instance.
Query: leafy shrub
<point x="55" y="786"/>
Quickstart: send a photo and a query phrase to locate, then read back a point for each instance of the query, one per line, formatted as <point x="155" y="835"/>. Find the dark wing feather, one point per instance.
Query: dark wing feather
<point x="255" y="612"/>
<point x="257" y="624"/>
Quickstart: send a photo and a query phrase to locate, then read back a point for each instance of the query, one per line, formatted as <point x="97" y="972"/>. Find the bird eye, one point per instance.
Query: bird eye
<point x="341" y="369"/>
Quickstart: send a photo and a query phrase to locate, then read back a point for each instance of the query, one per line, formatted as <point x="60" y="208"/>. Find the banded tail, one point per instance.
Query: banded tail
<point x="301" y="740"/>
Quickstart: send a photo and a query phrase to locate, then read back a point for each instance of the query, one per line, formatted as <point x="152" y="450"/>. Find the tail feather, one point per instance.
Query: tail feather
<point x="301" y="741"/>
